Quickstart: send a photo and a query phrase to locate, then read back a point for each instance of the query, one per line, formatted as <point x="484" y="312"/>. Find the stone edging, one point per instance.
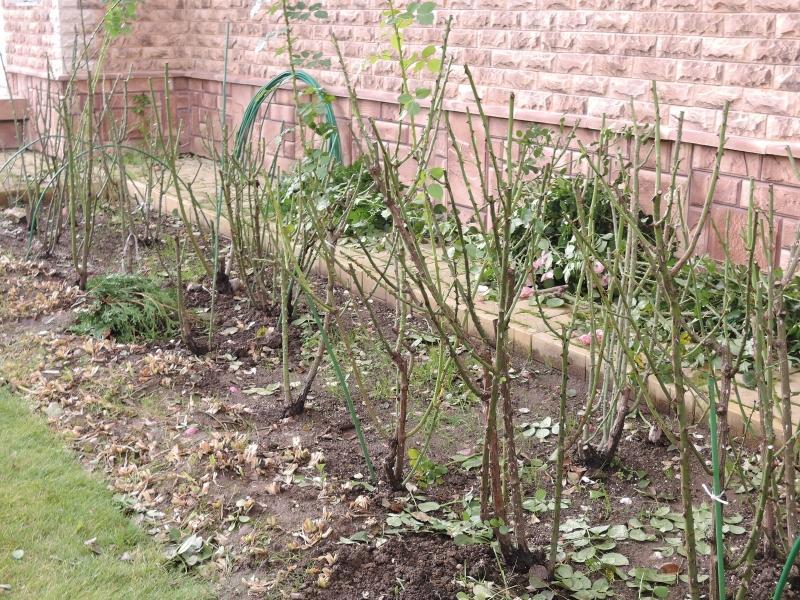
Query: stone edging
<point x="530" y="336"/>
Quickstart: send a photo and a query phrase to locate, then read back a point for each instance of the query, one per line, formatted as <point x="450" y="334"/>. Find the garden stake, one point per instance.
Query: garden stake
<point x="719" y="536"/>
<point x="337" y="369"/>
<point x="787" y="567"/>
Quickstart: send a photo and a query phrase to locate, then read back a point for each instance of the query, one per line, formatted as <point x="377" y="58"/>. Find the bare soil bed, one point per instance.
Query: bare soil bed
<point x="197" y="445"/>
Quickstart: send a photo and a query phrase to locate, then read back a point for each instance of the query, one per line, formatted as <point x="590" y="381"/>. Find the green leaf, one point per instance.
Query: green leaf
<point x="651" y="576"/>
<point x="481" y="591"/>
<point x="422" y="93"/>
<point x="564" y="571"/>
<point x="554" y="302"/>
<point x="462" y="539"/>
<point x="357" y="537"/>
<point x="436" y="172"/>
<point x="434" y="65"/>
<point x="581" y="556"/>
<point x="733" y="529"/>
<point x="429" y="506"/>
<point x="394" y="521"/>
<point x="733" y="519"/>
<point x="536" y="583"/>
<point x="662" y="525"/>
<point x="435" y="191"/>
<point x="618" y="532"/>
<point x="606" y="545"/>
<point x="614" y="559"/>
<point x="428" y="51"/>
<point x="269" y="390"/>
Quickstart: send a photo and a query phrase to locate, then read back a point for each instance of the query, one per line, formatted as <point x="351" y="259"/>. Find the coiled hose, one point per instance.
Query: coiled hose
<point x="333" y="143"/>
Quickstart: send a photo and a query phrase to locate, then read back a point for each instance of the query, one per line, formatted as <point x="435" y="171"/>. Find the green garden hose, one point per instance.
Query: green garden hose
<point x="333" y="146"/>
<point x="333" y="143"/>
<point x="786" y="569"/>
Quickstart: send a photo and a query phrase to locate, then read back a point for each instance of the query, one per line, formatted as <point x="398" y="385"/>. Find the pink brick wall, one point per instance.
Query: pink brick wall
<point x="31" y="35"/>
<point x="579" y="59"/>
<point x="586" y="57"/>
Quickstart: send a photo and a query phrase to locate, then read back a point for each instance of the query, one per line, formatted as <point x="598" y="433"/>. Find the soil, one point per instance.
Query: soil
<point x="188" y="444"/>
<point x="412" y="567"/>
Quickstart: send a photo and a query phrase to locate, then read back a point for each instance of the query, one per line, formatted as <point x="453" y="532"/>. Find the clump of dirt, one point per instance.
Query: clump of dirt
<point x="412" y="568"/>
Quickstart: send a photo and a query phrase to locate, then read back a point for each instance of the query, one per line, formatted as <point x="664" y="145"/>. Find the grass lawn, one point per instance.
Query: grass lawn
<point x="49" y="506"/>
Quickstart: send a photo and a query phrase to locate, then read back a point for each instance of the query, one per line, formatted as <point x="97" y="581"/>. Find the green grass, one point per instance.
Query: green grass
<point x="49" y="506"/>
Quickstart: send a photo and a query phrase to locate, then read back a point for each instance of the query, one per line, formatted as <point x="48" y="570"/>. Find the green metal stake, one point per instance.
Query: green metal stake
<point x="787" y="567"/>
<point x="712" y="425"/>
<point x="337" y="368"/>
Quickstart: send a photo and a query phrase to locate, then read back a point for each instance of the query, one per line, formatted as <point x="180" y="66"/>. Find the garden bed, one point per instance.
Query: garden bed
<point x="530" y="334"/>
<point x="281" y="507"/>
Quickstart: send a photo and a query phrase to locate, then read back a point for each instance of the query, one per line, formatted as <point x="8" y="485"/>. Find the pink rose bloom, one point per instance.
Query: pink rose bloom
<point x="540" y="262"/>
<point x="526" y="292"/>
<point x="598" y="267"/>
<point x="604" y="280"/>
<point x="547" y="276"/>
<point x="586" y="338"/>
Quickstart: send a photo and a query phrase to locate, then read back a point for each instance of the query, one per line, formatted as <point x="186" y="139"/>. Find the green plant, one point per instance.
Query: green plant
<point x="580" y="586"/>
<point x="141" y="104"/>
<point x="119" y="17"/>
<point x="188" y="552"/>
<point x="130" y="308"/>
<point x="426" y="471"/>
<point x="540" y="430"/>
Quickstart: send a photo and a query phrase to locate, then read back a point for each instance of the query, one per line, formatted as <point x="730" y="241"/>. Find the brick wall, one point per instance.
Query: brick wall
<point x="589" y="61"/>
<point x="32" y="36"/>
<point x="581" y="60"/>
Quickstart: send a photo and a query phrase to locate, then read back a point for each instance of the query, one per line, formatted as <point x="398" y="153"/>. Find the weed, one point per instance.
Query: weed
<point x="426" y="471"/>
<point x="129" y="308"/>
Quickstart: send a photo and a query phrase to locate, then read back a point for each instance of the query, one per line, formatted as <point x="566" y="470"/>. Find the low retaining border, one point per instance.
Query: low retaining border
<point x="531" y="337"/>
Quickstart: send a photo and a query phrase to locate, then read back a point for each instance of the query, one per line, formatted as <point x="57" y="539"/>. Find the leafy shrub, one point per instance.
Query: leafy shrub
<point x="130" y="308"/>
<point x="560" y="257"/>
<point x="369" y="216"/>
